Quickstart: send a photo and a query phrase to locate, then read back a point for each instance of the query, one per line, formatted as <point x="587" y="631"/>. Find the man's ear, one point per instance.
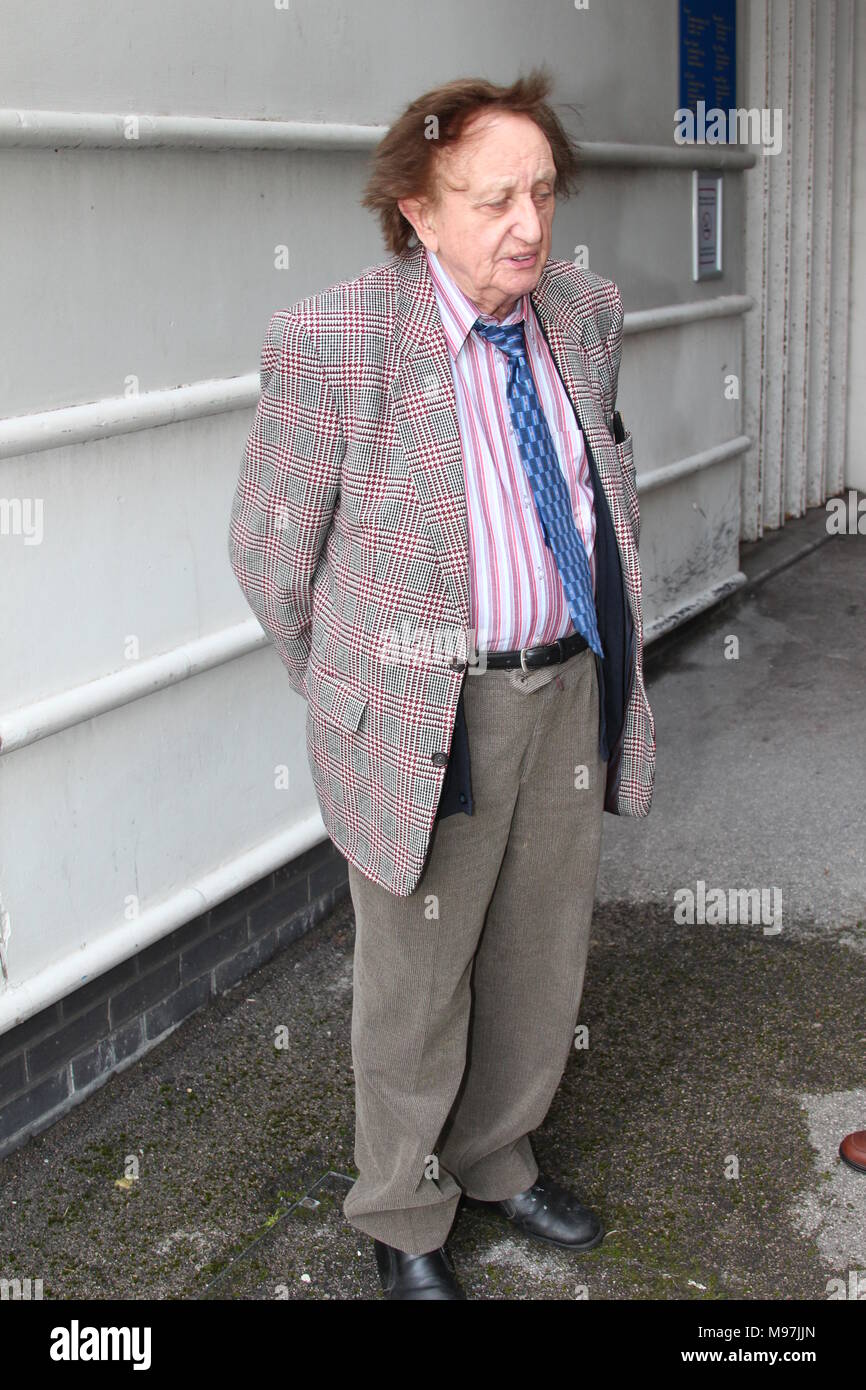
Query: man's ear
<point x="416" y="212"/>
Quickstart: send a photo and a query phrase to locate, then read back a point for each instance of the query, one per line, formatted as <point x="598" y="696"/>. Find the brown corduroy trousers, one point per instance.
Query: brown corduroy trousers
<point x="466" y="992"/>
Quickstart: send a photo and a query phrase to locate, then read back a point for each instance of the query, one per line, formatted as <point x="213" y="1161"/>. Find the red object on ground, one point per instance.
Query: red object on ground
<point x="852" y="1150"/>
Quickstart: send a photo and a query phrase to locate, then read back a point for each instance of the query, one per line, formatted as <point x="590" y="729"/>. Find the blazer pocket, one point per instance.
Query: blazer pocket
<point x="335" y="701"/>
<point x="625" y="454"/>
<point x="625" y="458"/>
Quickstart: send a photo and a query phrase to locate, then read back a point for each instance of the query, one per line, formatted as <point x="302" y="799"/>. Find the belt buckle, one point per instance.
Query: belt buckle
<point x="529" y="669"/>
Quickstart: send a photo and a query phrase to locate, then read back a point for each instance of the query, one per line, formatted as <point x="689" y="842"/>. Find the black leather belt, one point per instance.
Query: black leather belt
<point x="548" y="654"/>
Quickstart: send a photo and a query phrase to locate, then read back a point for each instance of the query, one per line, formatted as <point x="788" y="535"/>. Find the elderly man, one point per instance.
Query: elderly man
<point x="436" y="522"/>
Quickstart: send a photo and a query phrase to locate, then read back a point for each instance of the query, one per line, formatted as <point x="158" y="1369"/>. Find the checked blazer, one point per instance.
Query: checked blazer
<point x="348" y="536"/>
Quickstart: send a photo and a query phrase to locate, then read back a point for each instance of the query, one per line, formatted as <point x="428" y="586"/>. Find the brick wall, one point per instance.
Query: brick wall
<point x="53" y="1060"/>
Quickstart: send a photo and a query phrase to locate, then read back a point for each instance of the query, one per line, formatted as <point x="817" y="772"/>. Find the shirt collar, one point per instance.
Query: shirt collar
<point x="459" y="313"/>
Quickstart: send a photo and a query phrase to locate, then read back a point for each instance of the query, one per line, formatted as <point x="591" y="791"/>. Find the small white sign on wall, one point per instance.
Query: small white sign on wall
<point x="706" y="225"/>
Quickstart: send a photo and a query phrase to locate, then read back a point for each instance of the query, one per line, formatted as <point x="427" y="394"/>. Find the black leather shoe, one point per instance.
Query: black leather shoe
<point x="416" y="1276"/>
<point x="549" y="1212"/>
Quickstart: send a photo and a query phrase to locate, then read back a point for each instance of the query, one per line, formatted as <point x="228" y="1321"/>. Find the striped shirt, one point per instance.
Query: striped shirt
<point x="516" y="594"/>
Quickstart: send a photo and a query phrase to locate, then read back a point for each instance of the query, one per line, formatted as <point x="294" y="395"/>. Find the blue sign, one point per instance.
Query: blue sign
<point x="708" y="55"/>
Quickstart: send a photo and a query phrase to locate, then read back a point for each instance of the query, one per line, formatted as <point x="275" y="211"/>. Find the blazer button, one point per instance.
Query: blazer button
<point x="439" y="759"/>
<point x="457" y="664"/>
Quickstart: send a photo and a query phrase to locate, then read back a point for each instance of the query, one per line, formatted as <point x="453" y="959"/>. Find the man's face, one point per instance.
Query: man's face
<point x="491" y="225"/>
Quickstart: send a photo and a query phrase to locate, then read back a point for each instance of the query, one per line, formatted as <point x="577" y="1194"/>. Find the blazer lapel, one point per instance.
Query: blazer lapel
<point x="425" y="410"/>
<point x="570" y="328"/>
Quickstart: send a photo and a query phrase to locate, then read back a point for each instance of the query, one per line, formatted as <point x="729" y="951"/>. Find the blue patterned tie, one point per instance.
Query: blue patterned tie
<point x="549" y="487"/>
